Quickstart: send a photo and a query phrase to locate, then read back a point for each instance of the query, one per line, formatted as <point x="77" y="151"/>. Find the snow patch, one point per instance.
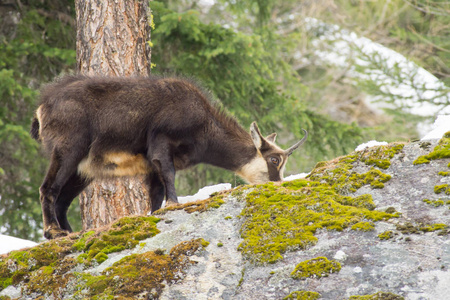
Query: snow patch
<point x="9" y="243"/>
<point x="295" y="176"/>
<point x="441" y="125"/>
<point x="370" y="144"/>
<point x="205" y="192"/>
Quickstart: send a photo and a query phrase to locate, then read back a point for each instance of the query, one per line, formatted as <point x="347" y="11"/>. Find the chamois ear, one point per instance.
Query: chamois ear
<point x="272" y="137"/>
<point x="259" y="141"/>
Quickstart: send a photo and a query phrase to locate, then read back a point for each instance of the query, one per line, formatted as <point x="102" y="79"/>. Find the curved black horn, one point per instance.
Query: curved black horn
<point x="292" y="149"/>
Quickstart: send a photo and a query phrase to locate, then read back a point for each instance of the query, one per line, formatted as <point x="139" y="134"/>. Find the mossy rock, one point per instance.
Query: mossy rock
<point x="125" y="233"/>
<point x="364" y="226"/>
<point x="144" y="275"/>
<point x="443" y="188"/>
<point x="315" y="268"/>
<point x="33" y="265"/>
<point x="436" y="203"/>
<point x="196" y="206"/>
<point x="442" y="150"/>
<point x="380" y="156"/>
<point x="284" y="217"/>
<point x="386" y="235"/>
<point x="302" y="295"/>
<point x="378" y="296"/>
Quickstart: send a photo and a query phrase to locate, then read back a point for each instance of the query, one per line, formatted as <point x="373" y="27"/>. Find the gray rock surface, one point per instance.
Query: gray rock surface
<point x="415" y="266"/>
<point x="412" y="265"/>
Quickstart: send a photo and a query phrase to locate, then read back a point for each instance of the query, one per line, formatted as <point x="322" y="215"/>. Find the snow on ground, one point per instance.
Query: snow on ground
<point x="370" y="144"/>
<point x="205" y="192"/>
<point x="440" y="126"/>
<point x="9" y="243"/>
<point x="295" y="176"/>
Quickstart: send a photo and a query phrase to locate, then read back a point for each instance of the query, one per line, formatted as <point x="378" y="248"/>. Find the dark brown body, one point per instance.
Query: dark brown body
<point x="104" y="127"/>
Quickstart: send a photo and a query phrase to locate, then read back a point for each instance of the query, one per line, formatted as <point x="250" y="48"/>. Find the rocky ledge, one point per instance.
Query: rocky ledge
<point x="369" y="225"/>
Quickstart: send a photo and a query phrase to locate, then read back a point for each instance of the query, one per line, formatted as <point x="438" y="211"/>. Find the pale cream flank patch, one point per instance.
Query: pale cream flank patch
<point x="114" y="164"/>
<point x="256" y="171"/>
<point x="39" y="118"/>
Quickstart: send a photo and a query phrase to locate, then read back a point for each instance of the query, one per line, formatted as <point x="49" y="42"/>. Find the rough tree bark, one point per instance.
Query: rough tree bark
<point x="112" y="40"/>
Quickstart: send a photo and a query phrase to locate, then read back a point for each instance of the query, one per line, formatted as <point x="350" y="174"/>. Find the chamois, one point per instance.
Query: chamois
<point x="97" y="127"/>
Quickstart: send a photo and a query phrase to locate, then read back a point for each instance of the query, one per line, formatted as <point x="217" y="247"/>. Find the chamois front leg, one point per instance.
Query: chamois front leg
<point x="160" y="157"/>
<point x="73" y="187"/>
<point x="156" y="191"/>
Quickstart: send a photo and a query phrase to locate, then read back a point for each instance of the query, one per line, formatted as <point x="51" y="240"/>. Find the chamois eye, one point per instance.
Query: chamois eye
<point x="275" y="161"/>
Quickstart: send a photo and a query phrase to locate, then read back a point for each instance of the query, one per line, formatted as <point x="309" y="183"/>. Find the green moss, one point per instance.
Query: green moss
<point x="443" y="188"/>
<point x="228" y="218"/>
<point x="315" y="268"/>
<point x="302" y="295"/>
<point x="363" y="201"/>
<point x="421" y="160"/>
<point x="33" y="266"/>
<point x="279" y="218"/>
<point x="18" y="265"/>
<point x="380" y="156"/>
<point x="219" y="244"/>
<point x="142" y="274"/>
<point x="101" y="257"/>
<point x="363" y="226"/>
<point x="409" y="228"/>
<point x="80" y="244"/>
<point x="123" y="234"/>
<point x="386" y="235"/>
<point x="442" y="173"/>
<point x="442" y="150"/>
<point x="435" y="203"/>
<point x="378" y="296"/>
<point x="433" y="227"/>
<point x="344" y="180"/>
<point x="48" y="280"/>
<point x="204" y="243"/>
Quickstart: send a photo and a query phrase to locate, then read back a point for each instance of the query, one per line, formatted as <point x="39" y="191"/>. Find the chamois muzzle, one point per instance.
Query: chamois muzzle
<point x="298" y="144"/>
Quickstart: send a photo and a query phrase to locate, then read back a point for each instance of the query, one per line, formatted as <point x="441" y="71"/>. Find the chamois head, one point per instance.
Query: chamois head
<point x="270" y="160"/>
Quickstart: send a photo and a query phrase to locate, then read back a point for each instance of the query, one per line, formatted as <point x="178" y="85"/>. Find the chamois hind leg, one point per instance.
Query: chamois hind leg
<point x="156" y="191"/>
<point x="61" y="168"/>
<point x="160" y="157"/>
<point x="73" y="187"/>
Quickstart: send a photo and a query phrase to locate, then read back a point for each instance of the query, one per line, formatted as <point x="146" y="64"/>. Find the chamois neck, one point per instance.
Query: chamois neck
<point x="230" y="147"/>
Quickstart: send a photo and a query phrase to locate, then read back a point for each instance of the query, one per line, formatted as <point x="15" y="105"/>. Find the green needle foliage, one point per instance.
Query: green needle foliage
<point x="250" y="75"/>
<point x="35" y="46"/>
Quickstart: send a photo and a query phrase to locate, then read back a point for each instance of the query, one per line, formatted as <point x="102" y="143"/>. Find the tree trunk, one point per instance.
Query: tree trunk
<point x="112" y="40"/>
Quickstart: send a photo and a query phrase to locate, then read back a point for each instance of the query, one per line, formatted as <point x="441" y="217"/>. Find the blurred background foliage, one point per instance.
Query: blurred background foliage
<point x="261" y="59"/>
